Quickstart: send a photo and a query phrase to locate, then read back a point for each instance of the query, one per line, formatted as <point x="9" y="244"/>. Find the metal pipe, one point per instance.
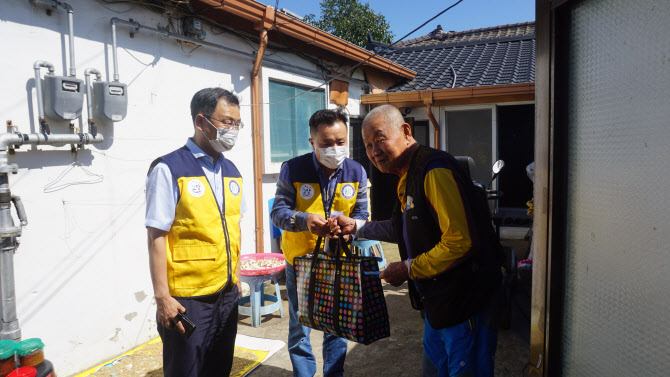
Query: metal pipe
<point x="8" y="232"/>
<point x="70" y="25"/>
<point x="10" y="323"/>
<point x="89" y="104"/>
<point x="138" y="26"/>
<point x="38" y="89"/>
<point x="256" y="135"/>
<point x="116" y="62"/>
<point x="178" y="37"/>
<point x="7" y="140"/>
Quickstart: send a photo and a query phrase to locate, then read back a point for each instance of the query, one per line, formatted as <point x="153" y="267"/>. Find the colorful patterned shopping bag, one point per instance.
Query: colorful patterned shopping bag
<point x="341" y="295"/>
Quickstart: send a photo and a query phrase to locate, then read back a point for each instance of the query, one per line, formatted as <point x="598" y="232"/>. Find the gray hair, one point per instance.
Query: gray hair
<point x="389" y="114"/>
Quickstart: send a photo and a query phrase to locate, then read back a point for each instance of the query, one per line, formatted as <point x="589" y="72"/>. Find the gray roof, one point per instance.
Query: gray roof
<point x="497" y="55"/>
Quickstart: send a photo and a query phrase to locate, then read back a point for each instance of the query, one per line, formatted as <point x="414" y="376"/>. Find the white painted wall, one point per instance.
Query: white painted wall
<point x="82" y="276"/>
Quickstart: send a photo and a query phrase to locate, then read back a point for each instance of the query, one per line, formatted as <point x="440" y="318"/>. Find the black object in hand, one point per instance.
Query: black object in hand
<point x="188" y="325"/>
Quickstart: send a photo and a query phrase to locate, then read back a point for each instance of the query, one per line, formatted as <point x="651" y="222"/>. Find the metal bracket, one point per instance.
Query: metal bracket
<point x="9" y="168"/>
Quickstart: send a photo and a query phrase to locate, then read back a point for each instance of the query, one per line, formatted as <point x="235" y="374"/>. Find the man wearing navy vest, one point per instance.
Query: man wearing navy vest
<point x="309" y="189"/>
<point x="194" y="205"/>
<point x="446" y="240"/>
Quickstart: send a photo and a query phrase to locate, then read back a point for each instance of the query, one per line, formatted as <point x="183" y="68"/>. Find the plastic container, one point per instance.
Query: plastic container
<point x="24" y="372"/>
<point x="6" y="357"/>
<point x="262" y="271"/>
<point x="31" y="352"/>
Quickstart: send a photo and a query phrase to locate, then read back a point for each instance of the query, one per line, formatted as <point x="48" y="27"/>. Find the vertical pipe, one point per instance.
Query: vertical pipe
<point x="116" y="63"/>
<point x="38" y="87"/>
<point x="89" y="97"/>
<point x="257" y="120"/>
<point x="70" y="24"/>
<point x="10" y="324"/>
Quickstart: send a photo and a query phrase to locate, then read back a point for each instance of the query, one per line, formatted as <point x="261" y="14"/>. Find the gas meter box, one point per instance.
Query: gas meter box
<point x="110" y="100"/>
<point x="63" y="97"/>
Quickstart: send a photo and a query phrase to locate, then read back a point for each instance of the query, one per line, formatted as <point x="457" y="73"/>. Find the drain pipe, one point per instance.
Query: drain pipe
<point x="256" y="134"/>
<point x="89" y="105"/>
<point x="70" y="24"/>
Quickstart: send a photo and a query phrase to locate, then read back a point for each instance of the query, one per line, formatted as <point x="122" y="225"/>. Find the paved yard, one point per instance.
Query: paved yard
<point x="399" y="355"/>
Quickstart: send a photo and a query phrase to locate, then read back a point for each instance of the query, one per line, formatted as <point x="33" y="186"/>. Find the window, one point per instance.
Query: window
<point x="469" y="133"/>
<point x="289" y="119"/>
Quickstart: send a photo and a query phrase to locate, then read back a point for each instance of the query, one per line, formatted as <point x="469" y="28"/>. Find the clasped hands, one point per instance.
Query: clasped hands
<point x="395" y="273"/>
<point x="331" y="228"/>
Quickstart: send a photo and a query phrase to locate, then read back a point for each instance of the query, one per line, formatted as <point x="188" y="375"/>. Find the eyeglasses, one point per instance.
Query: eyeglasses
<point x="230" y="124"/>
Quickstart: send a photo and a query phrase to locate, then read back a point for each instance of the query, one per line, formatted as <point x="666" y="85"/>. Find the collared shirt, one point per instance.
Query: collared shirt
<point x="283" y="208"/>
<point x="162" y="192"/>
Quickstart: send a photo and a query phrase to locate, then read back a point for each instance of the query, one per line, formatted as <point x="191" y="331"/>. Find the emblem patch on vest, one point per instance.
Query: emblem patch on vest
<point x="195" y="188"/>
<point x="306" y="191"/>
<point x="234" y="188"/>
<point x="348" y="191"/>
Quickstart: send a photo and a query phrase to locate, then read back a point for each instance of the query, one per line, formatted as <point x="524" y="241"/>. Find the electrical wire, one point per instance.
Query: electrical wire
<point x="175" y="9"/>
<point x="360" y="63"/>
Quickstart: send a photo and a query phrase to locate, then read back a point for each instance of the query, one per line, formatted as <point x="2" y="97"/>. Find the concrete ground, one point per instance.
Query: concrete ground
<point x="398" y="355"/>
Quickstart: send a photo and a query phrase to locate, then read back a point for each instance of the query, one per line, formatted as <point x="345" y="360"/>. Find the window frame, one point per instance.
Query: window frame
<point x="268" y="74"/>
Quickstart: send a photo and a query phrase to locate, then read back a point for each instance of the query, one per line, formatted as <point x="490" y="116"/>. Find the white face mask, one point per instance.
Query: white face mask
<point x="332" y="157"/>
<point x="225" y="139"/>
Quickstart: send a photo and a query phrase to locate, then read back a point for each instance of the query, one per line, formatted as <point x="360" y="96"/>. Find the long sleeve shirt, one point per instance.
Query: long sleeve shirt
<point x="443" y="194"/>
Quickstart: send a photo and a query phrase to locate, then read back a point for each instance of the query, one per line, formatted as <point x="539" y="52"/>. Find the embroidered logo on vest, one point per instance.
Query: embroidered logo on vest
<point x="348" y="191"/>
<point x="234" y="188"/>
<point x="196" y="188"/>
<point x="306" y="191"/>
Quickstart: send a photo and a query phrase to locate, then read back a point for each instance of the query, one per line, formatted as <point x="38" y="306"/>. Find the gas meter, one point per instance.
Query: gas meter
<point x="63" y="97"/>
<point x="110" y="100"/>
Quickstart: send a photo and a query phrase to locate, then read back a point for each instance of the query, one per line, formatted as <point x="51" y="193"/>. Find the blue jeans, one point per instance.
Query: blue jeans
<point x="468" y="348"/>
<point x="299" y="347"/>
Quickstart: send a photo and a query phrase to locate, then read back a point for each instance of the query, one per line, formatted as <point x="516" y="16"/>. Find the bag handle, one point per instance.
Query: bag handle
<point x="312" y="280"/>
<point x="344" y="245"/>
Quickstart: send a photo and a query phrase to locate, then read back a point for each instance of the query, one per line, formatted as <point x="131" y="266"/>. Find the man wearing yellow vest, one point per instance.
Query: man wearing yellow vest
<point x="309" y="189"/>
<point x="194" y="205"/>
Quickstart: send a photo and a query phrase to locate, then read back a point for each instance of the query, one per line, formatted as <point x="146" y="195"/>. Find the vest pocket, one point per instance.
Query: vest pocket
<point x="195" y="266"/>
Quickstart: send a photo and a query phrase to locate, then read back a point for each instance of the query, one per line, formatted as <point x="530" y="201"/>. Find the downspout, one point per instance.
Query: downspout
<point x="436" y="125"/>
<point x="256" y="134"/>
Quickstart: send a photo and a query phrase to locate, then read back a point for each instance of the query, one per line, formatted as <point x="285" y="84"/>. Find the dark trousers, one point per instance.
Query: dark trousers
<point x="209" y="349"/>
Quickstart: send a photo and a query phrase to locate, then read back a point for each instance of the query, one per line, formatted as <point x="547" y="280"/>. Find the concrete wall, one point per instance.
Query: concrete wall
<point x="82" y="276"/>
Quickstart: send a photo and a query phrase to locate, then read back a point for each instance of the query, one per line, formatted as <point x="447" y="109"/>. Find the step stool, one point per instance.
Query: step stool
<point x="257" y="298"/>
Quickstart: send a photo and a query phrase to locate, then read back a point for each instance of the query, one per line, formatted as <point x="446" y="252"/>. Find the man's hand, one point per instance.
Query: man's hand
<point x="167" y="309"/>
<point x="342" y="225"/>
<point x="317" y="225"/>
<point x="395" y="273"/>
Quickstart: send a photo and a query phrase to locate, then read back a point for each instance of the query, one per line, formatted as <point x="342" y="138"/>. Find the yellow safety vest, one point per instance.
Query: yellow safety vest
<point x="202" y="253"/>
<point x="305" y="179"/>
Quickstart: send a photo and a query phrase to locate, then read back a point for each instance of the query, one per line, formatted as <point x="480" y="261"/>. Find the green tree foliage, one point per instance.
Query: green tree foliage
<point x="351" y="21"/>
